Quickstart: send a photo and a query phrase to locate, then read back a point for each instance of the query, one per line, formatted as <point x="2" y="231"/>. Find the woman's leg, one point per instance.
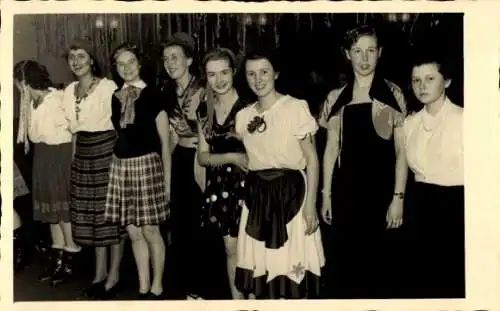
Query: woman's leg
<point x="230" y="244"/>
<point x="157" y="247"/>
<point x="69" y="243"/>
<point x="116" y="259"/>
<point x="141" y="255"/>
<point x="101" y="264"/>
<point x="57" y="234"/>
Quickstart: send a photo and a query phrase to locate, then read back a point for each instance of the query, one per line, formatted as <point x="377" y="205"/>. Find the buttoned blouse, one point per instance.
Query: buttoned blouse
<point x="49" y="122"/>
<point x="434" y="145"/>
<point x="95" y="109"/>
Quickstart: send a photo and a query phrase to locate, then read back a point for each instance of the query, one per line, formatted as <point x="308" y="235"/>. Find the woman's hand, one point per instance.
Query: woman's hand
<point x="241" y="160"/>
<point x="326" y="209"/>
<point x="311" y="218"/>
<point x="394" y="217"/>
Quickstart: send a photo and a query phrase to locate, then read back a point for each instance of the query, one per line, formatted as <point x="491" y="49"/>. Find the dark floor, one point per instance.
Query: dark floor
<point x="28" y="288"/>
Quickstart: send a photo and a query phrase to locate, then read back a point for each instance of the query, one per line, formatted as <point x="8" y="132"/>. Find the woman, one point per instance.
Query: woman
<point x="88" y="100"/>
<point x="44" y="122"/>
<point x="182" y="96"/>
<point x="139" y="185"/>
<point x="279" y="253"/>
<point x="223" y="154"/>
<point x="364" y="172"/>
<point x="435" y="152"/>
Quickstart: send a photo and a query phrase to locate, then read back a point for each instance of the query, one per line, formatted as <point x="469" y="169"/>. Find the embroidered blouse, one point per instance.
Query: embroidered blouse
<point x="94" y="111"/>
<point x="434" y="145"/>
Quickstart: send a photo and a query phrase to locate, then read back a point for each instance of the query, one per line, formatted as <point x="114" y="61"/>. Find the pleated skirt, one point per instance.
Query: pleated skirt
<point x="52" y="182"/>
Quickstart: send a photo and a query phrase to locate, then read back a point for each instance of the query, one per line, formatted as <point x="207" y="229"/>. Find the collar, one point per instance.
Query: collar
<point x="138" y="84"/>
<point x="379" y="90"/>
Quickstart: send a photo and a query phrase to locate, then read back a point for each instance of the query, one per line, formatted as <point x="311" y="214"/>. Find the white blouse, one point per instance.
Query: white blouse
<point x="288" y="121"/>
<point x="434" y="145"/>
<point x="95" y="110"/>
<point x="49" y="122"/>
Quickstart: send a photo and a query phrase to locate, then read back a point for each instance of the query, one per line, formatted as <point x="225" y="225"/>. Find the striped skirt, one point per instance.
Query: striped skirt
<point x="89" y="178"/>
<point x="136" y="191"/>
<point x="52" y="182"/>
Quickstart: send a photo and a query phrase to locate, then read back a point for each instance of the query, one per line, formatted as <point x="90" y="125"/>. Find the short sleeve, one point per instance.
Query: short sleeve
<point x="303" y="122"/>
<point x="398" y="117"/>
<point x="324" y="120"/>
<point x="239" y="123"/>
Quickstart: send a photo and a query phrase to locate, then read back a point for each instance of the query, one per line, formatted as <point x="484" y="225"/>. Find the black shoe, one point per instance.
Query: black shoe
<point x="20" y="255"/>
<point x="95" y="290"/>
<point x="64" y="269"/>
<point x="111" y="293"/>
<point x="156" y="297"/>
<point x="52" y="258"/>
<point x="143" y="296"/>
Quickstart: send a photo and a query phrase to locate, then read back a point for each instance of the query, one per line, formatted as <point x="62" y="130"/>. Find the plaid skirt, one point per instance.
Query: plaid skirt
<point x="136" y="191"/>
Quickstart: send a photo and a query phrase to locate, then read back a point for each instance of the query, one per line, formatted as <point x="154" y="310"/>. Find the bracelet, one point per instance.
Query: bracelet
<point x="400" y="195"/>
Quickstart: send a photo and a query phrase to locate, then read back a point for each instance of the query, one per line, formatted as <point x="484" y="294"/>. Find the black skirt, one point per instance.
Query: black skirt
<point x="436" y="226"/>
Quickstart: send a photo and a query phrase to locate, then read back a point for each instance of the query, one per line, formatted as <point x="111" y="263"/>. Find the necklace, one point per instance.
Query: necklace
<point x="80" y="99"/>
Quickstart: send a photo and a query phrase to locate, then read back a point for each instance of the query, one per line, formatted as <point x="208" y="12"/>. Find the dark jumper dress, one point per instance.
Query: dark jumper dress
<point x="362" y="190"/>
<point x="225" y="183"/>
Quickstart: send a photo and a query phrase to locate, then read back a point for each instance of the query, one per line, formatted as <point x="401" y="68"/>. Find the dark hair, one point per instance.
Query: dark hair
<point x="94" y="67"/>
<point x="125" y="47"/>
<point x="265" y="51"/>
<point x="428" y="56"/>
<point x="353" y="35"/>
<point x="219" y="54"/>
<point x="33" y="74"/>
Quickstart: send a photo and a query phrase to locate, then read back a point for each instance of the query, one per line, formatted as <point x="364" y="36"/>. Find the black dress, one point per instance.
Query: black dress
<point x="225" y="184"/>
<point x="362" y="190"/>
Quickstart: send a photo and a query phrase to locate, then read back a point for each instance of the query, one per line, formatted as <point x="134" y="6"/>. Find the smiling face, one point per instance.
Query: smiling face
<point x="428" y="83"/>
<point x="176" y="62"/>
<point x="260" y="76"/>
<point x="364" y="55"/>
<point x="80" y="62"/>
<point x="219" y="75"/>
<point x="128" y="67"/>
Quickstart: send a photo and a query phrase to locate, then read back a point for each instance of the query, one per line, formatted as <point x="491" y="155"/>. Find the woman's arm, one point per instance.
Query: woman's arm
<point x="331" y="154"/>
<point x="205" y="158"/>
<point x="401" y="164"/>
<point x="312" y="171"/>
<point x="162" y="126"/>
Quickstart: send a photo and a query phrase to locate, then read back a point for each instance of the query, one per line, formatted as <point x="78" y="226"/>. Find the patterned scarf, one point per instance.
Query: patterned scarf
<point x="24" y="120"/>
<point x="127" y="97"/>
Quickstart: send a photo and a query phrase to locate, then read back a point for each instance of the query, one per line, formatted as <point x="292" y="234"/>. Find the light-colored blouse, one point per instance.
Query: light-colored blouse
<point x="434" y="145"/>
<point x="49" y="122"/>
<point x="278" y="146"/>
<point x="95" y="109"/>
